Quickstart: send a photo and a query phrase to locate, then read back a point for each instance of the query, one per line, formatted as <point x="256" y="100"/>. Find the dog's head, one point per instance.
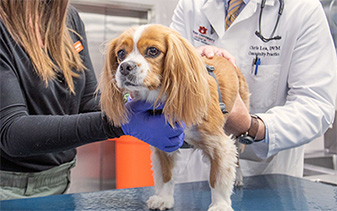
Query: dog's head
<point x="154" y="63"/>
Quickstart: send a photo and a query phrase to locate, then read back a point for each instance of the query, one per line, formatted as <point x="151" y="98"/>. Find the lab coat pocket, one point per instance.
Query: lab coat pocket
<point x="263" y="85"/>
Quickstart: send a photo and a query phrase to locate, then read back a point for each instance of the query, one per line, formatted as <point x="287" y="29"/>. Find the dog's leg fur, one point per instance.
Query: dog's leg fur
<point x="162" y="165"/>
<point x="221" y="152"/>
<point x="239" y="176"/>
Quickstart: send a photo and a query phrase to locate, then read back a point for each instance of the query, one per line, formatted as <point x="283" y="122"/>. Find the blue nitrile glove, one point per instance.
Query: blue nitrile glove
<point x="152" y="129"/>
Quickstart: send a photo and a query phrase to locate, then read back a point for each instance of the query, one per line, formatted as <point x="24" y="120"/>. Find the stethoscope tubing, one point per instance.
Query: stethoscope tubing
<point x="272" y="37"/>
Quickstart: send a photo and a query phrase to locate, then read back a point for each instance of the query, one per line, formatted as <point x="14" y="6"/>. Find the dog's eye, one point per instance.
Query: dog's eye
<point x="121" y="54"/>
<point x="152" y="52"/>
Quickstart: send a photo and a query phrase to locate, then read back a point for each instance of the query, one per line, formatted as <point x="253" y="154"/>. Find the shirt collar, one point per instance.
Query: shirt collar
<point x="245" y="1"/>
<point x="226" y="3"/>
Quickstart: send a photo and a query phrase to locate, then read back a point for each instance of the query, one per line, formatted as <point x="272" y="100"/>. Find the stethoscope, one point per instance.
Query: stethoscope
<point x="272" y="37"/>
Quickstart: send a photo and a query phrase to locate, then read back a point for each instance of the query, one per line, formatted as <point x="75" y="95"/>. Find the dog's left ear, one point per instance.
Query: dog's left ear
<point x="184" y="82"/>
<point x="112" y="101"/>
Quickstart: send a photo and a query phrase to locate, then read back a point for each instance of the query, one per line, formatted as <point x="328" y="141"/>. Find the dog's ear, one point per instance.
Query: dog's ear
<point x="184" y="82"/>
<point x="112" y="102"/>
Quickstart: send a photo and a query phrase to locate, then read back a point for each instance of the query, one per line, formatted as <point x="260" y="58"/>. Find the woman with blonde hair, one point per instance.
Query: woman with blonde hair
<point x="49" y="105"/>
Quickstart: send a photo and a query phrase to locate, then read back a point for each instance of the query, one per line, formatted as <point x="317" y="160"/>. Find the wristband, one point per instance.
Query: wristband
<point x="250" y="135"/>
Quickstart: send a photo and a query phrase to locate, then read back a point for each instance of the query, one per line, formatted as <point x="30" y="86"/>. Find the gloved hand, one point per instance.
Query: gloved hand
<point x="152" y="129"/>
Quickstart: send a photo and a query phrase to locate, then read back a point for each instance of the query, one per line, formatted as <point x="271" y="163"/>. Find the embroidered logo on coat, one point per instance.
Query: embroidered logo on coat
<point x="202" y="30"/>
<point x="78" y="46"/>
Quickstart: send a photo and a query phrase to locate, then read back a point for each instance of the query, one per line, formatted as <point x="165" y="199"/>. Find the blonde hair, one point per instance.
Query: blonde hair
<point x="27" y="20"/>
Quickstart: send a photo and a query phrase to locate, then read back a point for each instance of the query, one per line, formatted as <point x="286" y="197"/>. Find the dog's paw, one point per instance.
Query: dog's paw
<point x="220" y="207"/>
<point x="238" y="178"/>
<point x="160" y="203"/>
<point x="238" y="182"/>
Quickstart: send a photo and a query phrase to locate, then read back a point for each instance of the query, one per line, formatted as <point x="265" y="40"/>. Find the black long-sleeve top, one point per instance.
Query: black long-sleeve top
<point x="41" y="126"/>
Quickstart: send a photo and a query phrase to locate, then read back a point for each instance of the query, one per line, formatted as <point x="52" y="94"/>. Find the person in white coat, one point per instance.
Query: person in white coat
<point x="293" y="86"/>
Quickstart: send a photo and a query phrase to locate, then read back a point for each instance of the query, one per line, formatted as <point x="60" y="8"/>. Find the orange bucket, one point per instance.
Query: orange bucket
<point x="133" y="163"/>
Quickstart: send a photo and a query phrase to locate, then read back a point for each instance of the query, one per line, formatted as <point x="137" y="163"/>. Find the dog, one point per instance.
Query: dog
<point x="156" y="64"/>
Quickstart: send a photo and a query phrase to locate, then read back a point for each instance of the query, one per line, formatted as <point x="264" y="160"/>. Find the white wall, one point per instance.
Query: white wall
<point x="163" y="9"/>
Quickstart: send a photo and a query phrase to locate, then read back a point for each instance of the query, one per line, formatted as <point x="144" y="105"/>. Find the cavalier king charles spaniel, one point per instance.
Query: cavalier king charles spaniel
<point x="156" y="64"/>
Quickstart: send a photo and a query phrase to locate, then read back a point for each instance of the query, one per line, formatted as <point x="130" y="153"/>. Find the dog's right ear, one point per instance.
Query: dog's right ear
<point x="112" y="101"/>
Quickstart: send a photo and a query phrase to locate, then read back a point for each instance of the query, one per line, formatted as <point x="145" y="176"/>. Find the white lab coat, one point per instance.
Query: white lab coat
<point x="294" y="91"/>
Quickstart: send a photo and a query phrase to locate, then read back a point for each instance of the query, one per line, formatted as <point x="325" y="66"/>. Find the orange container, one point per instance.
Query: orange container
<point x="133" y="163"/>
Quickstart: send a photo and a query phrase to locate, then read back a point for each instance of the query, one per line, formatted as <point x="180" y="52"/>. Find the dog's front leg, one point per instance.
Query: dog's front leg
<point x="162" y="165"/>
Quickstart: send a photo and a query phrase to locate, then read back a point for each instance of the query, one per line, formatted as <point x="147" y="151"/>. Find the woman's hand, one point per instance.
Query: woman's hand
<point x="209" y="51"/>
<point x="152" y="129"/>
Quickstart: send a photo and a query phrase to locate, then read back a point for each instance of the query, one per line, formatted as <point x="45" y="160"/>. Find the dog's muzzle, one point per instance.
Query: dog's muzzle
<point x="126" y="67"/>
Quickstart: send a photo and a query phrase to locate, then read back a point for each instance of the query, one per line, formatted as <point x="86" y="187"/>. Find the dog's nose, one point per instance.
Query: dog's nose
<point x="127" y="67"/>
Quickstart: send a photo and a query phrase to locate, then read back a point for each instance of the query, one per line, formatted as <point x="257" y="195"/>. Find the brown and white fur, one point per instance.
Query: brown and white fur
<point x="156" y="64"/>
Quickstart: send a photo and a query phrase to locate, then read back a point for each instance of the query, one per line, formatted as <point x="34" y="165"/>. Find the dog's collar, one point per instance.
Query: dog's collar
<point x="210" y="70"/>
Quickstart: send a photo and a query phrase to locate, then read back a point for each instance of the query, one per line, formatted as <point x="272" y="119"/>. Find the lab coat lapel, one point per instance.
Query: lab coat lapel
<point x="214" y="12"/>
<point x="250" y="10"/>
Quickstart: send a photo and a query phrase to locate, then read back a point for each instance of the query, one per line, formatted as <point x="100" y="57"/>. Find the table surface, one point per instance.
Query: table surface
<point x="266" y="192"/>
